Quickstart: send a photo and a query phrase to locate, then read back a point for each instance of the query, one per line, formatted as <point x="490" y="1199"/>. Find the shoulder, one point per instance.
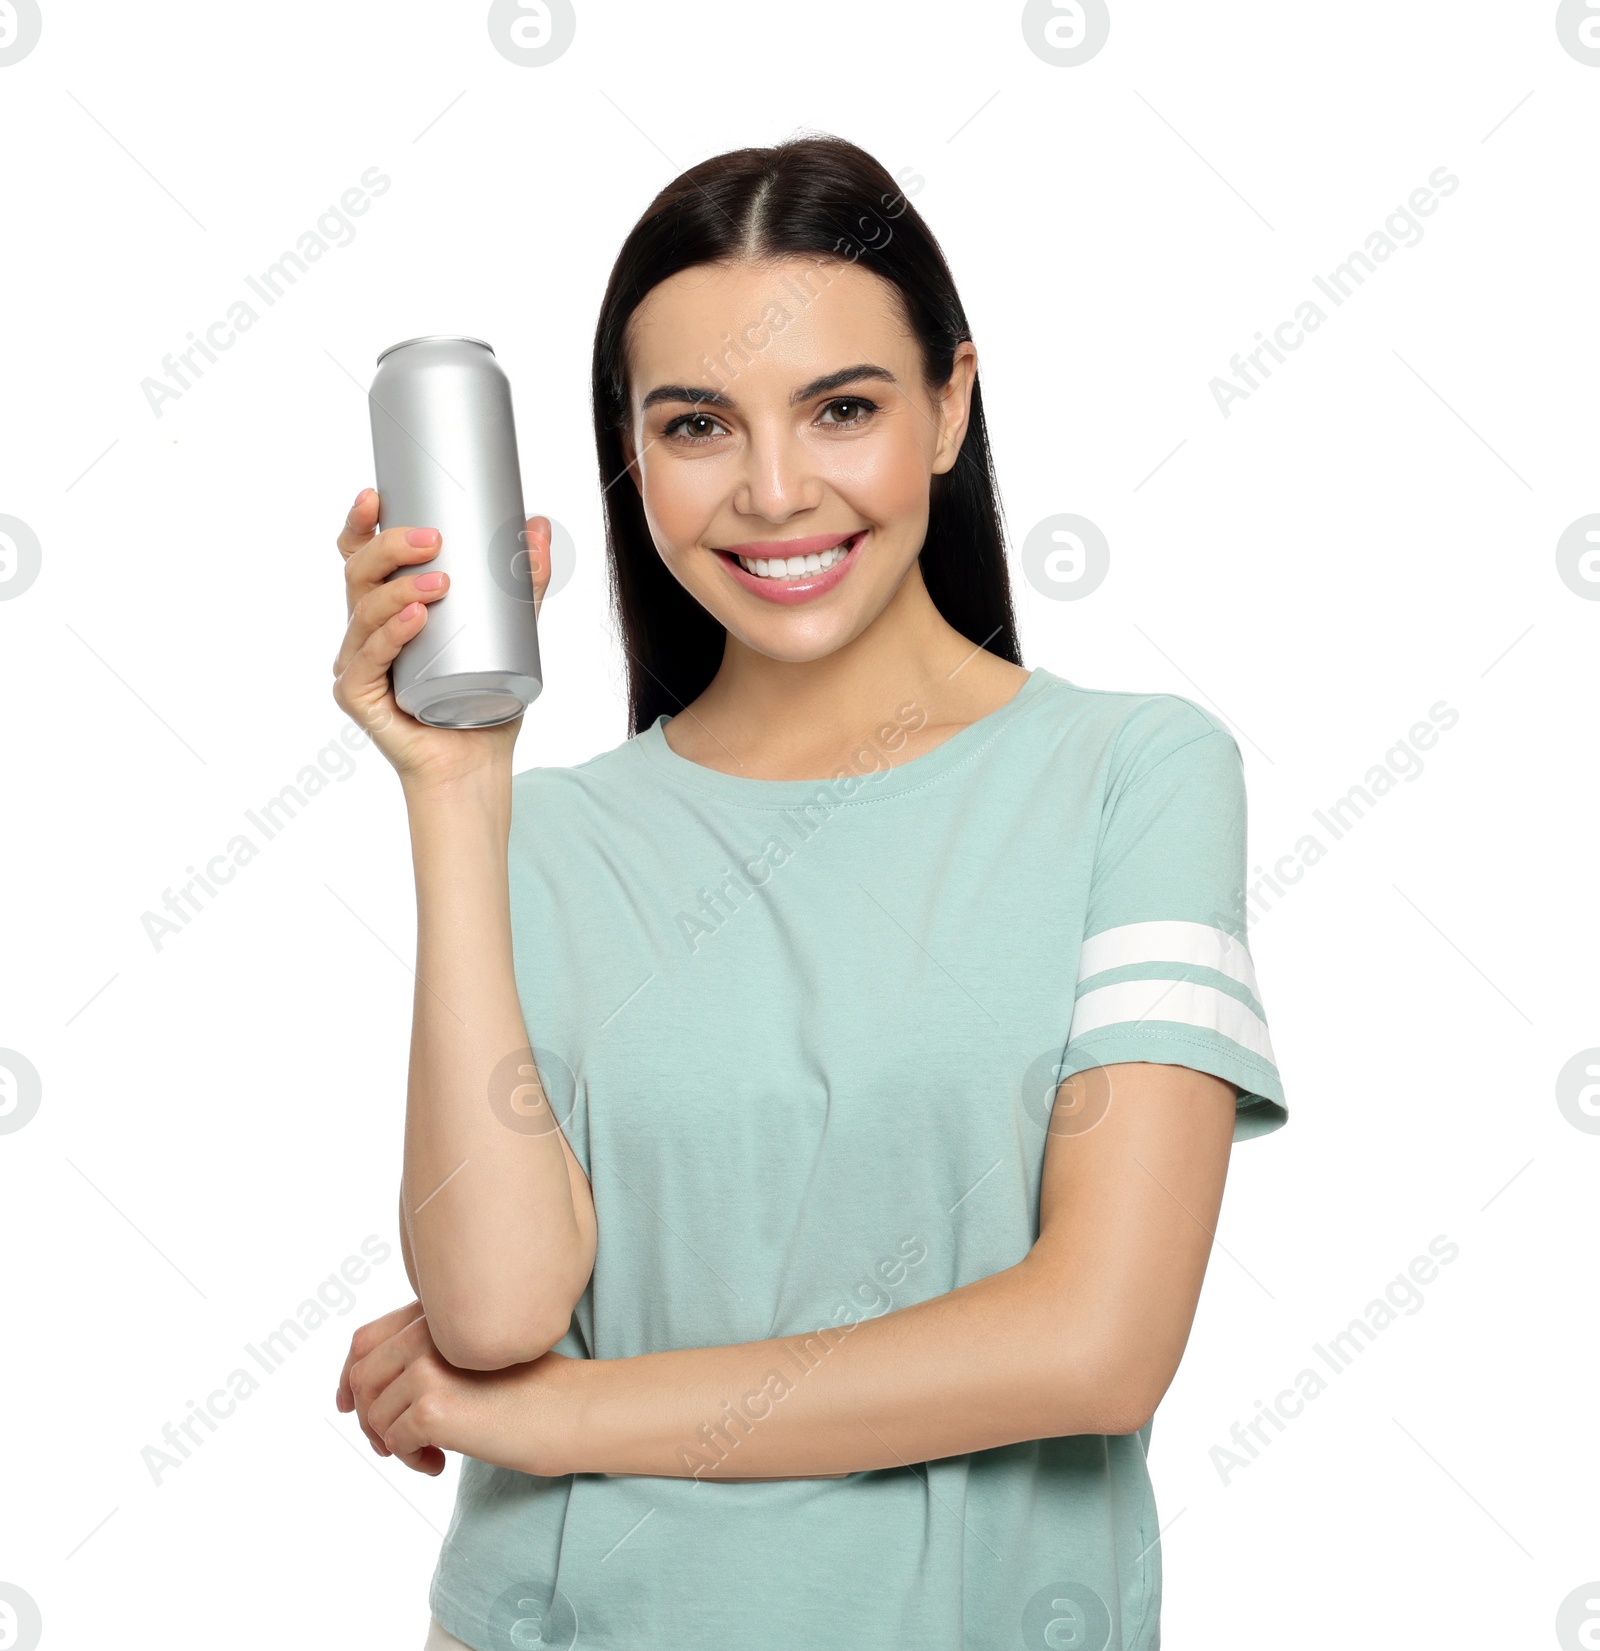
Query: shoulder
<point x="1132" y="732"/>
<point x="607" y="776"/>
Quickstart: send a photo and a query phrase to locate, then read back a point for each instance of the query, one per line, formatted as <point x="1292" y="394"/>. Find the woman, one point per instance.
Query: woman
<point x="774" y="1292"/>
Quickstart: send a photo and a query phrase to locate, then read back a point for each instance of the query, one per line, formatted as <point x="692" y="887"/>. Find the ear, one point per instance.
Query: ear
<point x="953" y="406"/>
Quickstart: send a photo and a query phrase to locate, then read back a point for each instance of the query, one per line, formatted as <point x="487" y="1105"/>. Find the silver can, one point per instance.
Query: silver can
<point x="445" y="451"/>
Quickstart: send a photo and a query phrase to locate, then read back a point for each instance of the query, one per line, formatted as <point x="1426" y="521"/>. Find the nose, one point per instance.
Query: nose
<point x="778" y="477"/>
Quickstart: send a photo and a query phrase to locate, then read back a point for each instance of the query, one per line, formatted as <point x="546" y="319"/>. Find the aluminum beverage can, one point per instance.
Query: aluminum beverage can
<point x="444" y="448"/>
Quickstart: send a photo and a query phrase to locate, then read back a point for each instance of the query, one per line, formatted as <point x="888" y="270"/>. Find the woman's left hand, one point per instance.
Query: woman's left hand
<point x="407" y="1395"/>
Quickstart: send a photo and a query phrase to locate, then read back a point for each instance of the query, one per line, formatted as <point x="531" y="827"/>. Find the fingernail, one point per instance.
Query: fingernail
<point x="360" y="496"/>
<point x="420" y="536"/>
<point x="429" y="581"/>
<point x="410" y="610"/>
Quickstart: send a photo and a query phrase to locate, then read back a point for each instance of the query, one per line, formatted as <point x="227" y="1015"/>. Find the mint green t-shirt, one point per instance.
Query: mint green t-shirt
<point x="804" y="1037"/>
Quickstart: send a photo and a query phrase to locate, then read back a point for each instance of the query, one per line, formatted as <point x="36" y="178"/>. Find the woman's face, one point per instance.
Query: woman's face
<point x="783" y="443"/>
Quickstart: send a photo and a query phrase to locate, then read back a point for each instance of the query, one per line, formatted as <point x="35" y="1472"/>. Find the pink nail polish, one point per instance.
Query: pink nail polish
<point x="429" y="581"/>
<point x="420" y="536"/>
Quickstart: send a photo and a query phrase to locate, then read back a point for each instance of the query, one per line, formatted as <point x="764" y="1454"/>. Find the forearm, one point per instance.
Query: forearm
<point x="1082" y="1336"/>
<point x="994" y="1362"/>
<point x="488" y="1208"/>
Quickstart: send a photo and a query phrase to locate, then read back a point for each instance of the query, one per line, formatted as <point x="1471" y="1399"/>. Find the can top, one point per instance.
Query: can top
<point x="436" y="338"/>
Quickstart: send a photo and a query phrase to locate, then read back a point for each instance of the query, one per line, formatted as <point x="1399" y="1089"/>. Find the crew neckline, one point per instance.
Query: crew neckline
<point x="918" y="771"/>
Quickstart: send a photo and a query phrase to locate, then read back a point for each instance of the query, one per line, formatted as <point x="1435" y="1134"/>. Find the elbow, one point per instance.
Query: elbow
<point x="1111" y="1407"/>
<point x="473" y="1329"/>
<point x="466" y="1348"/>
<point x="496" y="1341"/>
<point x="1121" y="1415"/>
<point x="1118" y="1390"/>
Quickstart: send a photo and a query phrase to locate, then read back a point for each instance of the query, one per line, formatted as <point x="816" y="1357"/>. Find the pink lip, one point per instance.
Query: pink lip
<point x="814" y="546"/>
<point x="794" y="590"/>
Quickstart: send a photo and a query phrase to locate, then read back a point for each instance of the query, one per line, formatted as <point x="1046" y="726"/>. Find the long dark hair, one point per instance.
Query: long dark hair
<point x="822" y="196"/>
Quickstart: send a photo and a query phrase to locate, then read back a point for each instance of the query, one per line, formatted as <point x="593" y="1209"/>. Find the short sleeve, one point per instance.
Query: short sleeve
<point x="1165" y="972"/>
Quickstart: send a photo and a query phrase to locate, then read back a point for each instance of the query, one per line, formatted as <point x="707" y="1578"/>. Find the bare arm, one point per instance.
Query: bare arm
<point x="405" y="1251"/>
<point x="497" y="1224"/>
<point x="1083" y="1335"/>
<point x="501" y="1222"/>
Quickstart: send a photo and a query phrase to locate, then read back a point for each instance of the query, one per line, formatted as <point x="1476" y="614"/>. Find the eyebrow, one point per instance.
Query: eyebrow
<point x="818" y="386"/>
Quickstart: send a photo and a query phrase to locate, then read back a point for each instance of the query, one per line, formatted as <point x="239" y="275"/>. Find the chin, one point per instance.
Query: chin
<point x="795" y="641"/>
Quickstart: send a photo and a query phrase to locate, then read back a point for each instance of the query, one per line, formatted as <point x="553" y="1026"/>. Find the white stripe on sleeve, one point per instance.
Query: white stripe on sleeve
<point x="1128" y="1002"/>
<point x="1168" y="941"/>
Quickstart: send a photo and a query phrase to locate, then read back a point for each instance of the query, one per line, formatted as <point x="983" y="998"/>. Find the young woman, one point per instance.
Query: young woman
<point x="820" y="1103"/>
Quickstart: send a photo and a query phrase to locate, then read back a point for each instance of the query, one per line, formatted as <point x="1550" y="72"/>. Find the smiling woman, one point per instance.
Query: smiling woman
<point x="724" y="477"/>
<point x="820" y="1282"/>
<point x="781" y="354"/>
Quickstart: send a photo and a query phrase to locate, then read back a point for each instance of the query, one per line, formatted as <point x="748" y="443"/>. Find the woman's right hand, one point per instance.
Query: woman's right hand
<point x="384" y="615"/>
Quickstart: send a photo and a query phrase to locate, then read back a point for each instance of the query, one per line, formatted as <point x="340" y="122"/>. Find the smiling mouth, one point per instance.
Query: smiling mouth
<point x="780" y="568"/>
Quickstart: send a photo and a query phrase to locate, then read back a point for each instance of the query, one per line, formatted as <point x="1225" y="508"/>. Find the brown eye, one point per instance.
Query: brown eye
<point x="679" y="428"/>
<point x="858" y="409"/>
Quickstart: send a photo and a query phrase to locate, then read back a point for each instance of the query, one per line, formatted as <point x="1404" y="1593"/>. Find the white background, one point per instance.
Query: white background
<point x="1371" y="532"/>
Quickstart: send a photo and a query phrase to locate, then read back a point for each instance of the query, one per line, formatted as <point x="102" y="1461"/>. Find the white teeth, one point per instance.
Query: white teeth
<point x="781" y="568"/>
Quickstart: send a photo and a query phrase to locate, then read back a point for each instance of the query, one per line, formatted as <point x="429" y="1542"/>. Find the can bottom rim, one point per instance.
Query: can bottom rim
<point x="472" y="700"/>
